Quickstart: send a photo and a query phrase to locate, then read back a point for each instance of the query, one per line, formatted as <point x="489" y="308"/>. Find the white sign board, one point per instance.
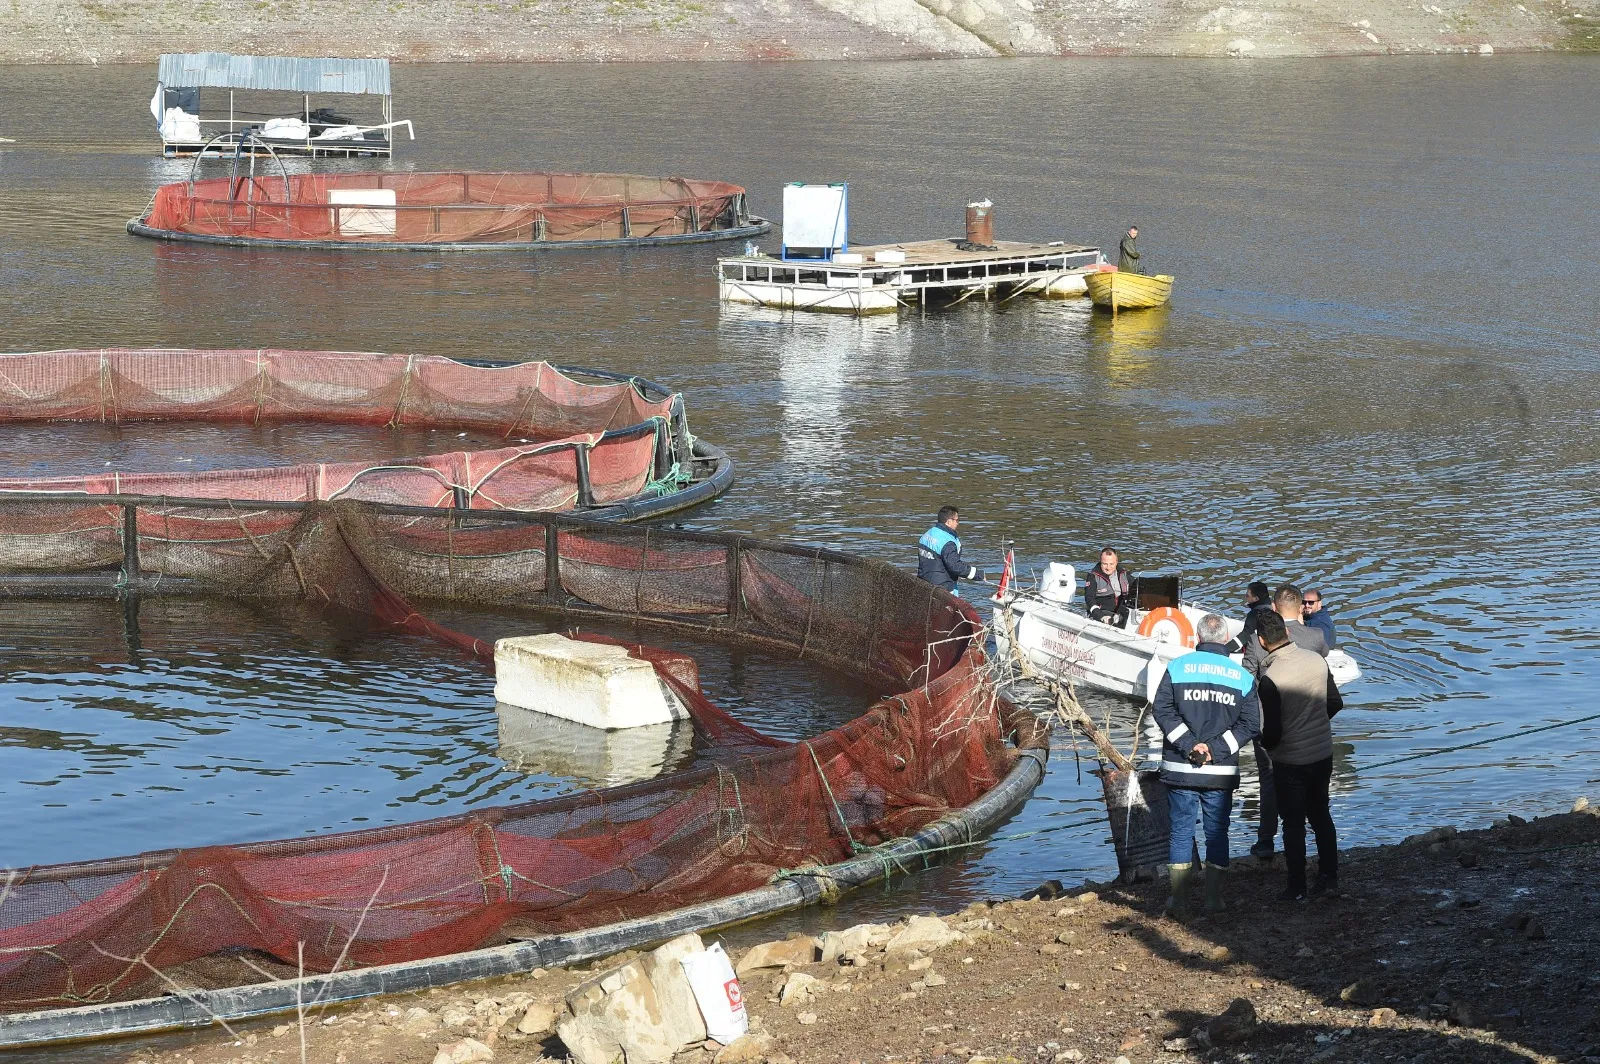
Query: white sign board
<point x="363" y="220"/>
<point x="815" y="216"/>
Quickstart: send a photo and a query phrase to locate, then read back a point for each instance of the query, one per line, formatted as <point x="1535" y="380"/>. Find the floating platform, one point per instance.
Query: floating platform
<point x="881" y="278"/>
<point x="456" y="211"/>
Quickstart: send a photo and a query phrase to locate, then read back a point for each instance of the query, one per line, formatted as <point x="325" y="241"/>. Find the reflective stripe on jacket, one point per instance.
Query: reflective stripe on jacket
<point x="1205" y="698"/>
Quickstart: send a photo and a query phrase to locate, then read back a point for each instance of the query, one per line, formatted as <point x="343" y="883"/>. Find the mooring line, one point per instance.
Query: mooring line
<point x="1480" y="742"/>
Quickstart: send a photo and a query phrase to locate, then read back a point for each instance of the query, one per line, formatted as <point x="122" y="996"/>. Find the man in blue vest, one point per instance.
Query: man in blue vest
<point x="1208" y="709"/>
<point x="939" y="560"/>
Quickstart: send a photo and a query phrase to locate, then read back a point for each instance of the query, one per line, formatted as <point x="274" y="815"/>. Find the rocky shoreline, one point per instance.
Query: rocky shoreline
<point x="1452" y="946"/>
<point x="136" y="31"/>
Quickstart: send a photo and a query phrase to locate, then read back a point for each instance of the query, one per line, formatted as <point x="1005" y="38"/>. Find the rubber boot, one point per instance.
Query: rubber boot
<point x="1178" y="903"/>
<point x="1214" y="878"/>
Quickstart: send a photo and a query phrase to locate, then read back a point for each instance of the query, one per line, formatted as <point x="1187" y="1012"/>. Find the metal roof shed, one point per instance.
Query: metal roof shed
<point x="180" y="78"/>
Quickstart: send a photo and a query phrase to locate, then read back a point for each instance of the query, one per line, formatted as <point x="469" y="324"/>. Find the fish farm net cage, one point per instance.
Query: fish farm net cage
<point x="420" y="209"/>
<point x="938" y="738"/>
<point x="617" y="442"/>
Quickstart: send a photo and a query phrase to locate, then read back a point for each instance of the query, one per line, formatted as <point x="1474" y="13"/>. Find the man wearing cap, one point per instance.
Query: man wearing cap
<point x="1128" y="253"/>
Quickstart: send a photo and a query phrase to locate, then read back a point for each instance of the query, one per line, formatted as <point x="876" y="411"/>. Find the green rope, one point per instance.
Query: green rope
<point x="1480" y="742"/>
<point x="855" y="847"/>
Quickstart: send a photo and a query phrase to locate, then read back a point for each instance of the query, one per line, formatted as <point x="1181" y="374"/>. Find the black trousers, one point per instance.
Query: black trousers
<point x="1267" y="806"/>
<point x="1303" y="796"/>
<point x="1117" y="618"/>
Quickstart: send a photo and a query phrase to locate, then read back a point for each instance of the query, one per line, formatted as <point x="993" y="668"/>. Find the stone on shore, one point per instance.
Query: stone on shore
<point x="798" y="989"/>
<point x="1234" y="1025"/>
<point x="925" y="933"/>
<point x="539" y="1019"/>
<point x="642" y="1012"/>
<point x="796" y="952"/>
<point x="751" y="1049"/>
<point x="857" y="939"/>
<point x="466" y="1051"/>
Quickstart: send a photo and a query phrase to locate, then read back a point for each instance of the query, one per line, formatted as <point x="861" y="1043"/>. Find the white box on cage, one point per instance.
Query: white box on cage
<point x="816" y="220"/>
<point x="364" y="215"/>
<point x="596" y="684"/>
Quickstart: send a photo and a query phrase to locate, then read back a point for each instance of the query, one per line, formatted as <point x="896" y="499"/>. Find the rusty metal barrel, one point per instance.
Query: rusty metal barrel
<point x="980" y="223"/>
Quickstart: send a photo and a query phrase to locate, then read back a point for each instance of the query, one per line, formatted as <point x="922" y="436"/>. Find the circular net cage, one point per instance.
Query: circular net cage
<point x="595" y="443"/>
<point x="938" y="738"/>
<point x="458" y="208"/>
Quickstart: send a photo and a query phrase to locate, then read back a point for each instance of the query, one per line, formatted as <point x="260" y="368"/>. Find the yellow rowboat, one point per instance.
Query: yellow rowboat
<point x="1127" y="291"/>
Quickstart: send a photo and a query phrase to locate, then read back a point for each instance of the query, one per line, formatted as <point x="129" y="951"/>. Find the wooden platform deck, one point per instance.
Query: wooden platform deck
<point x="878" y="278"/>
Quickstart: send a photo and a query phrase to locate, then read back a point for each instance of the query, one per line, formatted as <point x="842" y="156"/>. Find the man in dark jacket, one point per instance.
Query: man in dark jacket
<point x="1287" y="605"/>
<point x="1207" y="709"/>
<point x="1298" y="700"/>
<point x="939" y="560"/>
<point x="1108" y="591"/>
<point x="1257" y="597"/>
<point x="1128" y="252"/>
<point x="1318" y="617"/>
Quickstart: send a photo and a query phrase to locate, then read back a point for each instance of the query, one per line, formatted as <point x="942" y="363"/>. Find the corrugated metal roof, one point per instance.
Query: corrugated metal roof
<point x="288" y="73"/>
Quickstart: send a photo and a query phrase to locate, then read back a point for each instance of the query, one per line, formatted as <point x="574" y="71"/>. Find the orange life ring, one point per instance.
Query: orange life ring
<point x="1175" y="616"/>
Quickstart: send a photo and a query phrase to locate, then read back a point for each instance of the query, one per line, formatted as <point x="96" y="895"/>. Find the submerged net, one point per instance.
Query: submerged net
<point x="594" y="444"/>
<point x="98" y="931"/>
<point x="447" y="208"/>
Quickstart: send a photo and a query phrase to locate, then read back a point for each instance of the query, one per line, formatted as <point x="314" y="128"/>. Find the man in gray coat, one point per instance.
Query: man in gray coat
<point x="1298" y="701"/>
<point x="1288" y="603"/>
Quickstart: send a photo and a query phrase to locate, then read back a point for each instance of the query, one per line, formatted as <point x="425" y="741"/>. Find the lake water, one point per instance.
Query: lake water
<point x="1379" y="375"/>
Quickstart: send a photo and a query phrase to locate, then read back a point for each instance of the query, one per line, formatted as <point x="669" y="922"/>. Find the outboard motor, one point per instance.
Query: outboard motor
<point x="1059" y="583"/>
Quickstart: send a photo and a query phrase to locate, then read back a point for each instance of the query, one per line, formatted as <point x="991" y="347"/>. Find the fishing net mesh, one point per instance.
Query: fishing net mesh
<point x="444" y="208"/>
<point x="122" y="928"/>
<point x="615" y="425"/>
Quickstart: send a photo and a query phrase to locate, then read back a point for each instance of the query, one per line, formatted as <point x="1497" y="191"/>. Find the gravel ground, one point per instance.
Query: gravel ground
<point x="1474" y="947"/>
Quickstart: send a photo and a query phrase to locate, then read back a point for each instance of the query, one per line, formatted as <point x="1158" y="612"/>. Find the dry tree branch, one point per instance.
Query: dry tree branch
<point x="172" y="985"/>
<point x="1067" y="710"/>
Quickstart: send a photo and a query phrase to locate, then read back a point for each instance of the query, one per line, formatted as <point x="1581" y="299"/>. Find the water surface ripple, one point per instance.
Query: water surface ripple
<point x="1378" y="376"/>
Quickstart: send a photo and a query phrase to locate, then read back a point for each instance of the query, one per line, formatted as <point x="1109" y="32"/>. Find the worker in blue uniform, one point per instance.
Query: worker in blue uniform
<point x="939" y="560"/>
<point x="1208" y="708"/>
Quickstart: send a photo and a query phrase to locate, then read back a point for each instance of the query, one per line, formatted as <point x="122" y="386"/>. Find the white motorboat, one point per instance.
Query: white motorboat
<point x="1065" y="644"/>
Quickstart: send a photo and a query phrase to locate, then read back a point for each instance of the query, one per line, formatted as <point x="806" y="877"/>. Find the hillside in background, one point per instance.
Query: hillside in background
<point x="110" y="31"/>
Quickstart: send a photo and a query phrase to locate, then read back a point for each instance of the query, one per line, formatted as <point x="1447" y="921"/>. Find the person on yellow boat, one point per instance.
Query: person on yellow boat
<point x="1128" y="253"/>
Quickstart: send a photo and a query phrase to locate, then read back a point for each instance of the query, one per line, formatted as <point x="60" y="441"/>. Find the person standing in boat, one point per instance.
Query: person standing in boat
<point x="1318" y="617"/>
<point x="1208" y="710"/>
<point x="1108" y="591"/>
<point x="1128" y="252"/>
<point x="1298" y="701"/>
<point x="1257" y="597"/>
<point x="939" y="560"/>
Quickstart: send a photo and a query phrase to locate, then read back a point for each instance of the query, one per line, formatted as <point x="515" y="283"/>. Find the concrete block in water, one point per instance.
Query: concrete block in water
<point x="591" y="683"/>
<point x="535" y="742"/>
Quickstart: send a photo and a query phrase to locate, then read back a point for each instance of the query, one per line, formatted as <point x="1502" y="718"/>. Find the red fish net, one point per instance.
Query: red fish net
<point x="617" y="429"/>
<point x="97" y="931"/>
<point x="447" y="208"/>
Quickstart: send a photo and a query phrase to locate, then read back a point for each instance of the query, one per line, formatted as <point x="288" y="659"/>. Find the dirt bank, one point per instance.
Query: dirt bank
<point x="1468" y="949"/>
<point x="98" y="31"/>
